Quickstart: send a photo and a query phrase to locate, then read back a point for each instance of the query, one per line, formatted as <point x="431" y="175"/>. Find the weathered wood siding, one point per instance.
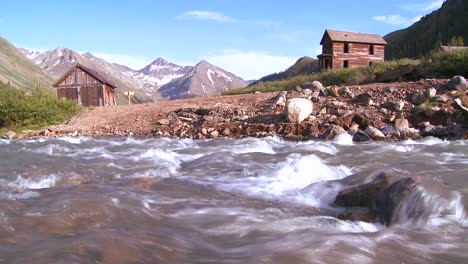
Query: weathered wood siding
<point x="80" y="86"/>
<point x="358" y="55"/>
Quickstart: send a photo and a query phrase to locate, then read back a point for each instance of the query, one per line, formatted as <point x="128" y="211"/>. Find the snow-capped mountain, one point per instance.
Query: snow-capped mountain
<point x="203" y="80"/>
<point x="156" y="74"/>
<point x="160" y="80"/>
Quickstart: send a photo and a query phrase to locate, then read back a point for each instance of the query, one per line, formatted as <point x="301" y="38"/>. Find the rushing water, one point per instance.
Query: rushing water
<point x="129" y="200"/>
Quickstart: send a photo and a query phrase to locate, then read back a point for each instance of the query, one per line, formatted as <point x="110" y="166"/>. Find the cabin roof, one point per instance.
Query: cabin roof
<point x="344" y="36"/>
<point x="453" y="48"/>
<point x="93" y="72"/>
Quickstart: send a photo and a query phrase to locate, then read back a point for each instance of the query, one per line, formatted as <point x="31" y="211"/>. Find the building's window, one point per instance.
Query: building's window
<point x="345" y="64"/>
<point x="371" y="49"/>
<point x="346" y="48"/>
<point x="370" y="63"/>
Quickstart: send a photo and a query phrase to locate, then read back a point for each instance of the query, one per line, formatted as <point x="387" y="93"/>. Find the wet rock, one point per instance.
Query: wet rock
<point x="391" y="198"/>
<point x="360" y="136"/>
<point x="374" y="133"/>
<point x="9" y="135"/>
<point x="431" y="92"/>
<point x="379" y="200"/>
<point x="389" y="131"/>
<point x="401" y="124"/>
<point x="362" y="195"/>
<point x="457" y="83"/>
<point x="164" y="122"/>
<point x="394" y="105"/>
<point x="332" y="132"/>
<point x="214" y="134"/>
<point x="280" y="99"/>
<point x="363" y="99"/>
<point x="418" y="98"/>
<point x="298" y="109"/>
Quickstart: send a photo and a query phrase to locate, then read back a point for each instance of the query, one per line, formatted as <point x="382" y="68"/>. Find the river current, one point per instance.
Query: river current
<point x="148" y="200"/>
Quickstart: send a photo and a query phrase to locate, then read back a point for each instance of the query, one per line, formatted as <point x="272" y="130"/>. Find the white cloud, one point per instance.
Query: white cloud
<point x="424" y="7"/>
<point x="251" y="64"/>
<point x="134" y="62"/>
<point x="397" y="20"/>
<point x="205" y="15"/>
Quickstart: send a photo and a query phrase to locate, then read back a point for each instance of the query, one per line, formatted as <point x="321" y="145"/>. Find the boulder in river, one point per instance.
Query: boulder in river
<point x="377" y="200"/>
<point x="332" y="132"/>
<point x="298" y="109"/>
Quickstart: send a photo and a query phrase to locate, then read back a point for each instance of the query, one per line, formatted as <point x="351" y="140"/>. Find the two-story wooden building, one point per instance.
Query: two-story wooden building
<point x="86" y="86"/>
<point x="341" y="49"/>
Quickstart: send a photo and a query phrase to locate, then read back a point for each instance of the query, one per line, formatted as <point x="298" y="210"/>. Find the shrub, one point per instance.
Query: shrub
<point x="446" y="64"/>
<point x="31" y="110"/>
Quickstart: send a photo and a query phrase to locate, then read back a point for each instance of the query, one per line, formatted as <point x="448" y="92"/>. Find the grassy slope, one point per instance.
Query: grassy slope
<point x="19" y="70"/>
<point x="433" y="29"/>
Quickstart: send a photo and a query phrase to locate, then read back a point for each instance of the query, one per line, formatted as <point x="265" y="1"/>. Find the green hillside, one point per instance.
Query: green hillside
<point x="19" y="70"/>
<point x="439" y="27"/>
<point x="304" y="65"/>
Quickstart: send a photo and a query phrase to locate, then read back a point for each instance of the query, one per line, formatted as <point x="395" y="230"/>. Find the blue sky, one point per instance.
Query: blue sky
<point x="249" y="38"/>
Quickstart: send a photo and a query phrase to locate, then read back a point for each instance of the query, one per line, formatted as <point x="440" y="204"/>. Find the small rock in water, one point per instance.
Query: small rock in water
<point x="374" y="133"/>
<point x="332" y="132"/>
<point x="9" y="135"/>
<point x="360" y="136"/>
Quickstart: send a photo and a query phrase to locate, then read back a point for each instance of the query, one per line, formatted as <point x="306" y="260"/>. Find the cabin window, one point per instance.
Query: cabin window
<point x="345" y="64"/>
<point x="370" y="63"/>
<point x="346" y="48"/>
<point x="371" y="49"/>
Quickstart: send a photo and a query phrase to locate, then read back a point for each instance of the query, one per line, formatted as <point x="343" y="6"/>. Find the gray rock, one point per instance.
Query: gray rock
<point x="280" y="99"/>
<point x="360" y="136"/>
<point x="298" y="88"/>
<point x="432" y="111"/>
<point x="298" y="109"/>
<point x="374" y="133"/>
<point x="316" y="85"/>
<point x="394" y="105"/>
<point x="443" y="98"/>
<point x="389" y="131"/>
<point x="363" y="99"/>
<point x="418" y="98"/>
<point x="164" y="122"/>
<point x="431" y="92"/>
<point x="332" y="132"/>
<point x="457" y="83"/>
<point x="401" y="124"/>
<point x="9" y="135"/>
<point x="307" y="92"/>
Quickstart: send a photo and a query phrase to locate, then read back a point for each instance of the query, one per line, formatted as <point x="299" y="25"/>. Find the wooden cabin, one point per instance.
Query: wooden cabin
<point x="86" y="86"/>
<point x="341" y="49"/>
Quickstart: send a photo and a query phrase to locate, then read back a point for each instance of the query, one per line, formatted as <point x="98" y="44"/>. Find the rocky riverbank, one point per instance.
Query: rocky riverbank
<point x="385" y="111"/>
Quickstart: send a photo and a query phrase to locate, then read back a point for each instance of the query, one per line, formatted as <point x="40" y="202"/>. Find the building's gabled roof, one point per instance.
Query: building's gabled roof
<point x="93" y="72"/>
<point x="453" y="48"/>
<point x="343" y="36"/>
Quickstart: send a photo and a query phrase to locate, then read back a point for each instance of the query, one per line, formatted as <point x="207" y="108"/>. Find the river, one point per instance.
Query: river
<point x="148" y="200"/>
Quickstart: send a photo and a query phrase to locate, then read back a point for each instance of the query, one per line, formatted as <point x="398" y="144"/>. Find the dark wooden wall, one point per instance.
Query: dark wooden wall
<point x="92" y="91"/>
<point x="358" y="55"/>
